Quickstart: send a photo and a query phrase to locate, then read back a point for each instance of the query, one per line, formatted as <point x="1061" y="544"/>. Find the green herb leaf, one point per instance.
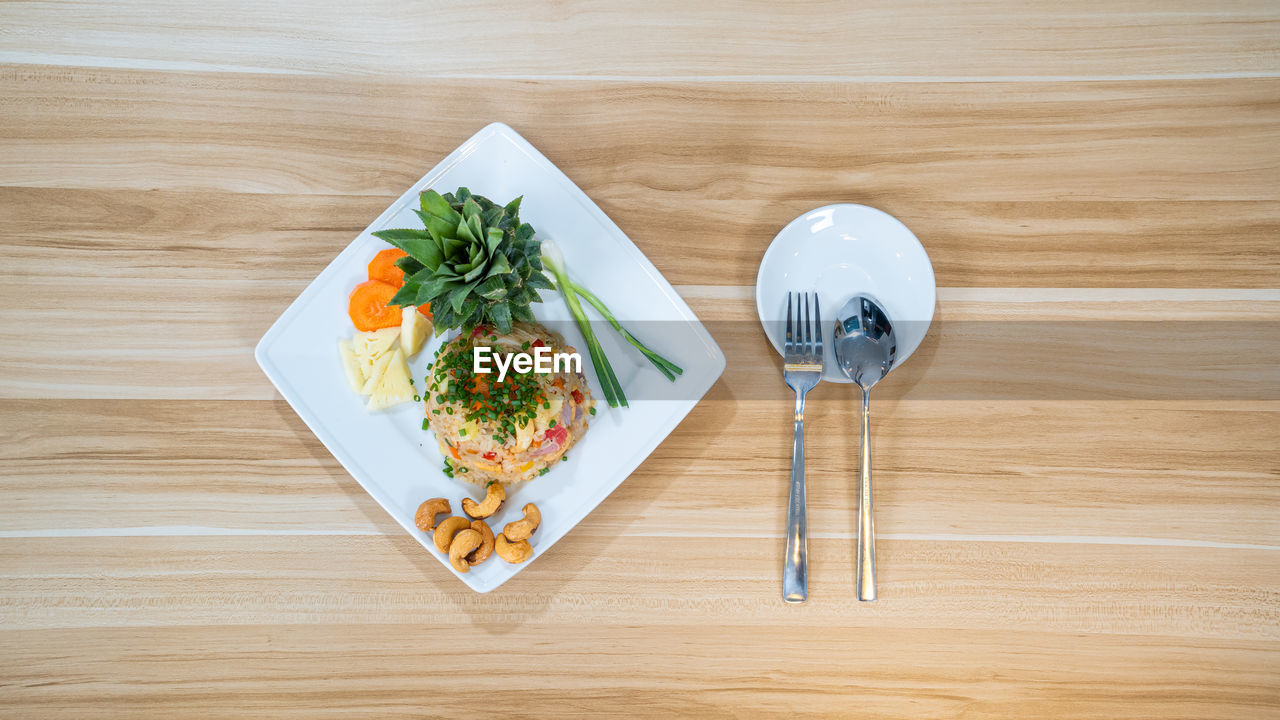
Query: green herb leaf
<point x="471" y="209"/>
<point x="493" y="240"/>
<point x="538" y="280"/>
<point x="501" y="316"/>
<point x="434" y="204"/>
<point x="409" y="265"/>
<point x="474" y="273"/>
<point x="453" y="246"/>
<point x="459" y="295"/>
<point x="465" y="234"/>
<point x="434" y="286"/>
<point x="522" y="313"/>
<point x="399" y="236"/>
<point x="406" y="295"/>
<point x="437" y="227"/>
<point x="499" y="266"/>
<point x="492" y="216"/>
<point x="492" y="289"/>
<point x="424" y="250"/>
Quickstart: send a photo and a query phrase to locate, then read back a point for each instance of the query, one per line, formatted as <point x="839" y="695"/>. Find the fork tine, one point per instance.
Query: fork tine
<point x="797" y="344"/>
<point x="808" y="330"/>
<point x="817" y="328"/>
<point x="787" y="347"/>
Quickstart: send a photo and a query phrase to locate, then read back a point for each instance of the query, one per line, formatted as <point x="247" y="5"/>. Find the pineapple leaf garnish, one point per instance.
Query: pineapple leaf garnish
<point x="473" y="261"/>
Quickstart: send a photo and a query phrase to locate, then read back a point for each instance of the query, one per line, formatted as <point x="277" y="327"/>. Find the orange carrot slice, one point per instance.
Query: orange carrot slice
<point x="383" y="267"/>
<point x="369" y="308"/>
<point x="425" y="309"/>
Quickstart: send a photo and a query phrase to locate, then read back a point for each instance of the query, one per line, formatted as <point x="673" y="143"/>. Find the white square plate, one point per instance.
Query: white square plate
<point x="396" y="461"/>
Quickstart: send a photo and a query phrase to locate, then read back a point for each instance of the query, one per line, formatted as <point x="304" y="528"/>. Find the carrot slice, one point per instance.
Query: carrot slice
<point x="369" y="308"/>
<point x="425" y="309"/>
<point x="383" y="267"/>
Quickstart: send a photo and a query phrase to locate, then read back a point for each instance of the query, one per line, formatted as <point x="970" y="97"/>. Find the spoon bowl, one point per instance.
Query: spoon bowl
<point x="865" y="344"/>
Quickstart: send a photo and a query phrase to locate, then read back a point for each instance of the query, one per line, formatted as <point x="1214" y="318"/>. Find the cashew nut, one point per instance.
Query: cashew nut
<point x="425" y="518"/>
<point x="462" y="545"/>
<point x="493" y="500"/>
<point x="513" y="552"/>
<point x="523" y="529"/>
<point x="447" y="530"/>
<point x="483" y="552"/>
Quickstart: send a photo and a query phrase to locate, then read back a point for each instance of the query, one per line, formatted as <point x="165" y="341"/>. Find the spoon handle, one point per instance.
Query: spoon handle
<point x="866" y="522"/>
<point x="795" y="566"/>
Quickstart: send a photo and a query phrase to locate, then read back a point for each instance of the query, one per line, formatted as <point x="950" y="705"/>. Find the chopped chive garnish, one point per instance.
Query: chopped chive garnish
<point x="593" y="411"/>
<point x="424" y="424"/>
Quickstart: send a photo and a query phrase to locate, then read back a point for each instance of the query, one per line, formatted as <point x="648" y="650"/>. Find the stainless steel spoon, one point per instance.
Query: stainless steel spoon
<point x="865" y="349"/>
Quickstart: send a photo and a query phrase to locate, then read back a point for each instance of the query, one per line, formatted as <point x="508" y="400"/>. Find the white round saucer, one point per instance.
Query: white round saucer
<point x="839" y="251"/>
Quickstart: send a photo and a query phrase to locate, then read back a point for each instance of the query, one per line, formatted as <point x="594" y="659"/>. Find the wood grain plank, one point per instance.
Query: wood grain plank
<point x="173" y="540"/>
<point x="1139" y="183"/>
<point x="916" y="38"/>
<point x="589" y="669"/>
<point x="49" y="231"/>
<point x="1211" y="593"/>
<point x="144" y="339"/>
<point x="1077" y="472"/>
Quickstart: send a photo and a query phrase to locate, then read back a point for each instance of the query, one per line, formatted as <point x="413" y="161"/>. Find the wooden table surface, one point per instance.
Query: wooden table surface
<point x="1078" y="501"/>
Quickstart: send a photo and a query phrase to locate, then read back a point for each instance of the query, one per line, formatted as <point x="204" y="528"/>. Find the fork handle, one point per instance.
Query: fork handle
<point x="795" y="566"/>
<point x="866" y="521"/>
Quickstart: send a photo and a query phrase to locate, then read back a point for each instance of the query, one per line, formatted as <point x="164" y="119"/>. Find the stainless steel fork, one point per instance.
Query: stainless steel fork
<point x="802" y="357"/>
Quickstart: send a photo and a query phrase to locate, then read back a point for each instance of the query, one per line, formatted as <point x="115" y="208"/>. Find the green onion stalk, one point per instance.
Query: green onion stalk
<point x="665" y="366"/>
<point x="613" y="394"/>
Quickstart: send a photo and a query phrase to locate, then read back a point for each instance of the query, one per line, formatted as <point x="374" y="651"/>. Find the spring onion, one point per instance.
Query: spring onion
<point x="570" y="291"/>
<point x="664" y="365"/>
<point x="554" y="261"/>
